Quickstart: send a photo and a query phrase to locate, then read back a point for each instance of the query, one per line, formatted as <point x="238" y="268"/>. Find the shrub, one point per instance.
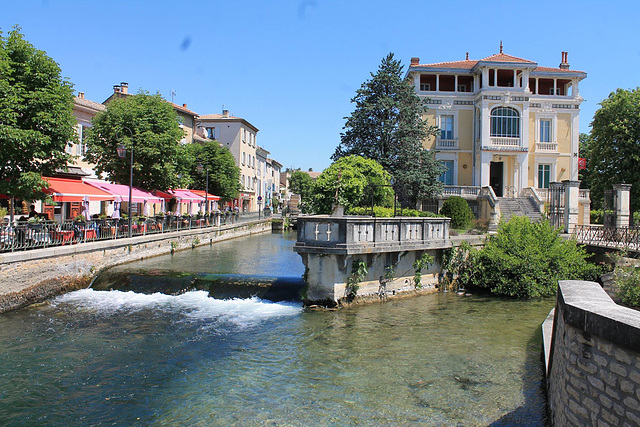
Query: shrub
<point x="526" y="260"/>
<point x="383" y="212"/>
<point x="459" y="211"/>
<point x="628" y="283"/>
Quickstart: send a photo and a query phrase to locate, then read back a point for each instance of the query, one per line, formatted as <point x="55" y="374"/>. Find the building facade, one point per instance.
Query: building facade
<point x="240" y="137"/>
<point x="504" y="121"/>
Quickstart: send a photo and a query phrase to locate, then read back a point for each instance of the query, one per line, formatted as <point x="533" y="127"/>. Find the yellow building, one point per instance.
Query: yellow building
<point x="504" y="121"/>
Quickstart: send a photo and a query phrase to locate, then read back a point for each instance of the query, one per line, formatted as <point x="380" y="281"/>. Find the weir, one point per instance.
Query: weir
<point x="329" y="245"/>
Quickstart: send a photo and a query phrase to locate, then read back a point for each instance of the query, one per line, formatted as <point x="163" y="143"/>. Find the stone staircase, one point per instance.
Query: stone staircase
<point x="519" y="206"/>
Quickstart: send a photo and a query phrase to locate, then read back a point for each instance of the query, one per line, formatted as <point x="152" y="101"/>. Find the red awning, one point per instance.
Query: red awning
<point x="74" y="190"/>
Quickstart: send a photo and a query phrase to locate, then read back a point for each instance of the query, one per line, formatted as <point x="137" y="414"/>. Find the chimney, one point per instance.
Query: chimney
<point x="415" y="61"/>
<point x="225" y="113"/>
<point x="184" y="105"/>
<point x="81" y="95"/>
<point x="467" y="57"/>
<point x="116" y="88"/>
<point x="564" y="64"/>
<point x="124" y="87"/>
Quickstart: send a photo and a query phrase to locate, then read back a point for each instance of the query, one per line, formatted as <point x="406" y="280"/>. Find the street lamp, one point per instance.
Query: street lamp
<point x="122" y="151"/>
<point x="206" y="191"/>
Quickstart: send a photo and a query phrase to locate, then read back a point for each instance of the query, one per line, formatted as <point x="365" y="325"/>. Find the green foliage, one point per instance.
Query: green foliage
<point x="224" y="175"/>
<point x="387" y="126"/>
<point x="36" y="119"/>
<point x="351" y="181"/>
<point x="158" y="156"/>
<point x="384" y="212"/>
<point x="459" y="211"/>
<point x="613" y="147"/>
<point x="301" y="183"/>
<point x="525" y="260"/>
<point x="418" y="265"/>
<point x="627" y="280"/>
<point x="358" y="274"/>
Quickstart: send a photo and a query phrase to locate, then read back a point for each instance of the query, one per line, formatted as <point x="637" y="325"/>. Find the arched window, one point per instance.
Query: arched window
<point x="505" y="122"/>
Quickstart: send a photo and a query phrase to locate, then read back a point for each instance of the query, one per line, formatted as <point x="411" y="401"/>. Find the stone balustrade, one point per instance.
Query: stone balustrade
<point x="358" y="235"/>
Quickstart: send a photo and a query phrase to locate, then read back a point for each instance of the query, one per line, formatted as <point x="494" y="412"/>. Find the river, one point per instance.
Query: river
<point x="129" y="358"/>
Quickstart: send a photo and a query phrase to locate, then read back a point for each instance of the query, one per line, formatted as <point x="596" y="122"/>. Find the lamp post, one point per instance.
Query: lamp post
<point x="122" y="151"/>
<point x="206" y="191"/>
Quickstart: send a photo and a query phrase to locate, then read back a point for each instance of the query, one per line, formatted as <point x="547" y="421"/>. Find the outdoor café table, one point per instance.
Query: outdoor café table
<point x="63" y="236"/>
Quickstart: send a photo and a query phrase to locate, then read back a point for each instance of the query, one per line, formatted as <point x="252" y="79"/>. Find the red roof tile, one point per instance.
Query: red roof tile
<point x="503" y="57"/>
<point x="555" y="70"/>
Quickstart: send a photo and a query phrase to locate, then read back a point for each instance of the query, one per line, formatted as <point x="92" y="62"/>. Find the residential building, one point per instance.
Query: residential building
<point x="239" y="136"/>
<point x="505" y="122"/>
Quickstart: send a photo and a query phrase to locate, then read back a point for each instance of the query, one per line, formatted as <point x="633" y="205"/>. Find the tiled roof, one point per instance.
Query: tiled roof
<point x="503" y="57"/>
<point x="218" y="116"/>
<point x="468" y="64"/>
<point x="89" y="104"/>
<point x="555" y="70"/>
<point x="498" y="57"/>
<point x="183" y="109"/>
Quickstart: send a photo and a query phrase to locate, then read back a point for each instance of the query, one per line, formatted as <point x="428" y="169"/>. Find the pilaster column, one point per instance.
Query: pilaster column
<point x="623" y="193"/>
<point x="437" y="82"/>
<point x="571" y="196"/>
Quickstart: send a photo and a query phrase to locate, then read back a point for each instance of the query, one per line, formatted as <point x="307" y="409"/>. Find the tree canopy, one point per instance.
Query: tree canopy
<point x="224" y="175"/>
<point x="613" y="147"/>
<point x="36" y="117"/>
<point x="355" y="182"/>
<point x="387" y="126"/>
<point x="301" y="183"/>
<point x="159" y="160"/>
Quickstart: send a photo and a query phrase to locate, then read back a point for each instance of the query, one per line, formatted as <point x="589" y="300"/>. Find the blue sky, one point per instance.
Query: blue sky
<point x="292" y="67"/>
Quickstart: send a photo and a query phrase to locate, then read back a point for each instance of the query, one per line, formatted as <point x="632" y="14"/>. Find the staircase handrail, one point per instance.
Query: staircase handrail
<point x="488" y="193"/>
<point x="531" y="193"/>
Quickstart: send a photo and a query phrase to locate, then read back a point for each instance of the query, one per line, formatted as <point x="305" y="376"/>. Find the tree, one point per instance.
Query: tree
<point x="301" y="183"/>
<point x="224" y="175"/>
<point x="36" y="117"/>
<point x="387" y="126"/>
<point x="613" y="150"/>
<point x="352" y="181"/>
<point x="159" y="161"/>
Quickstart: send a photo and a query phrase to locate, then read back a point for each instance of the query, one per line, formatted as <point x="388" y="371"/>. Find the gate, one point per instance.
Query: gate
<point x="555" y="200"/>
<point x="609" y="216"/>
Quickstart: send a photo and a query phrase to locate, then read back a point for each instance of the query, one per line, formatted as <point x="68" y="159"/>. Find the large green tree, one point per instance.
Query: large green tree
<point x="613" y="149"/>
<point x="36" y="117"/>
<point x="387" y="126"/>
<point x="224" y="175"/>
<point x="301" y="183"/>
<point x="352" y="181"/>
<point x="159" y="160"/>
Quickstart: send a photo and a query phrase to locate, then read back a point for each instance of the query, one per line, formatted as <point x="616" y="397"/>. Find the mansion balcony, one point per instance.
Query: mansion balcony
<point x="446" y="144"/>
<point x="496" y="143"/>
<point x="547" y="147"/>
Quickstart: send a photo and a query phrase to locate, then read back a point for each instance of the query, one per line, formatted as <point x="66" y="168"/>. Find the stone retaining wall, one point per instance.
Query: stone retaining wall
<point x="592" y="353"/>
<point x="33" y="276"/>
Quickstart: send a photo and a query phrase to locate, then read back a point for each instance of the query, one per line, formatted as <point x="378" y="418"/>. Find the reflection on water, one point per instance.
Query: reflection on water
<point x="105" y="357"/>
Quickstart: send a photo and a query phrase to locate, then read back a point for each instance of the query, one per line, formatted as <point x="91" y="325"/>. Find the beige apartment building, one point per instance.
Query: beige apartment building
<point x="239" y="136"/>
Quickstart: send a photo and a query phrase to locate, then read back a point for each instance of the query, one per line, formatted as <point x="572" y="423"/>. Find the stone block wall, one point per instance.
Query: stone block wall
<point x="593" y="360"/>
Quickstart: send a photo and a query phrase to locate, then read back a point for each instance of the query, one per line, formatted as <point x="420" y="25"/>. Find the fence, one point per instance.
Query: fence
<point x="23" y="236"/>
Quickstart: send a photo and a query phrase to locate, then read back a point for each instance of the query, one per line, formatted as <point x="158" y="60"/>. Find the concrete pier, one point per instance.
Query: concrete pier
<point x="328" y="246"/>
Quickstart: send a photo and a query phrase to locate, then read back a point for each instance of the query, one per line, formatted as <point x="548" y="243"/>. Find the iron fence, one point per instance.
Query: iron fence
<point x="608" y="237"/>
<point x="23" y="236"/>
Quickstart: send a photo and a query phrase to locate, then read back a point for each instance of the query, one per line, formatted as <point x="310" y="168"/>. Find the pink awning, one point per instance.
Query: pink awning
<point x="201" y="193"/>
<point x="181" y="195"/>
<point x="74" y="190"/>
<point x="137" y="195"/>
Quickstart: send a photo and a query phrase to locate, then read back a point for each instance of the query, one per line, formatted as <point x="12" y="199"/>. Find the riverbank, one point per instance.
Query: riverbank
<point x="33" y="276"/>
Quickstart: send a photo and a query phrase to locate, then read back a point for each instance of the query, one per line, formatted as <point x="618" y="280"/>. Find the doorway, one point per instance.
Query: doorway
<point x="496" y="177"/>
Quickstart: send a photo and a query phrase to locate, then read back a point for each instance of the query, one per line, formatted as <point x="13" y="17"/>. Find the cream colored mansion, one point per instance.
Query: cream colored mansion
<point x="505" y="122"/>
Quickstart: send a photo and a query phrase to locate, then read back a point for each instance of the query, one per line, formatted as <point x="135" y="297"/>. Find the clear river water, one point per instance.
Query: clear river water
<point x="119" y="357"/>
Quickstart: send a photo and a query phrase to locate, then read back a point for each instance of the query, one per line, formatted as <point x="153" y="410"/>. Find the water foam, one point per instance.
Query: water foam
<point x="192" y="306"/>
